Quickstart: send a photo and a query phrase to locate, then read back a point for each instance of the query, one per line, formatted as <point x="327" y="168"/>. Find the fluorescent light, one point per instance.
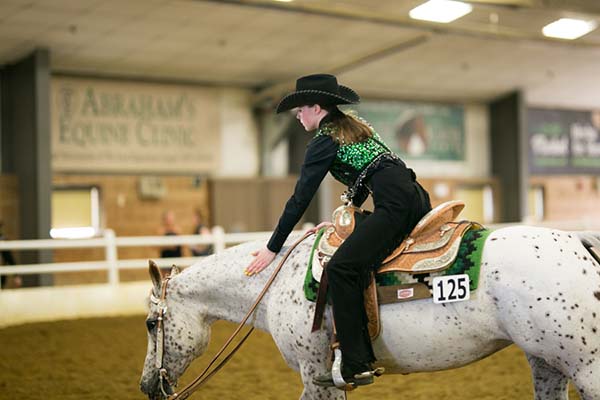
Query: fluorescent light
<point x="440" y="11"/>
<point x="83" y="232"/>
<point x="568" y="28"/>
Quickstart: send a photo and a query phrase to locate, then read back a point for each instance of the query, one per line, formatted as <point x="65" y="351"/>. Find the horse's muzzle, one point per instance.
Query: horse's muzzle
<point x="151" y="388"/>
<point x="153" y="394"/>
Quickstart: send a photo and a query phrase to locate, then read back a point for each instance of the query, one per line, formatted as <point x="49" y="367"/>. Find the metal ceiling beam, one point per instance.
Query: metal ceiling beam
<point x="365" y="14"/>
<point x="504" y="3"/>
<point x="582" y="6"/>
<point x="577" y="6"/>
<point x="267" y="96"/>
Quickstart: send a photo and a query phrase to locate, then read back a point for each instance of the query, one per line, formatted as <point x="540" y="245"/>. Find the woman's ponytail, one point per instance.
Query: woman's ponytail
<point x="349" y="129"/>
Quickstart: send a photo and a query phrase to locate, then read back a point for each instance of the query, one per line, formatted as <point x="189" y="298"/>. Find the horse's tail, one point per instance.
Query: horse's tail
<point x="591" y="241"/>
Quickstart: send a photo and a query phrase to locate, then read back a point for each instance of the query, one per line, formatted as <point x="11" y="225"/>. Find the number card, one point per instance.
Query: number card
<point x="451" y="288"/>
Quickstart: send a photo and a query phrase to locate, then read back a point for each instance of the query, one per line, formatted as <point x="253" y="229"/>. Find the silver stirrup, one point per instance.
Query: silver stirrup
<point x="338" y="379"/>
<point x="336" y="370"/>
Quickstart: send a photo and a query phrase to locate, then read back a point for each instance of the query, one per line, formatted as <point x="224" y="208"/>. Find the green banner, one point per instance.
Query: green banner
<point x="563" y="141"/>
<point x="418" y="131"/>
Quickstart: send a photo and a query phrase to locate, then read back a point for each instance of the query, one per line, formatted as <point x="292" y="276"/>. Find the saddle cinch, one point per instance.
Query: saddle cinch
<point x="432" y="246"/>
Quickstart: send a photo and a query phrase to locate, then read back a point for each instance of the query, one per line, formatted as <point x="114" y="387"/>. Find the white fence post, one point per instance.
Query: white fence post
<point x="111" y="257"/>
<point x="219" y="237"/>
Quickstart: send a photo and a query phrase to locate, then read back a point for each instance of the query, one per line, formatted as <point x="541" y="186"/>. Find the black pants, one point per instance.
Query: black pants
<point x="400" y="202"/>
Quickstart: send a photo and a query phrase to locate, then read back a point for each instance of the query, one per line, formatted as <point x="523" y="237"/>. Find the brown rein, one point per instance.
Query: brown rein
<point x="206" y="375"/>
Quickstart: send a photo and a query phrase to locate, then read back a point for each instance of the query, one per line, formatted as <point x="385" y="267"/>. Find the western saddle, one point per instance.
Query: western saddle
<point x="432" y="246"/>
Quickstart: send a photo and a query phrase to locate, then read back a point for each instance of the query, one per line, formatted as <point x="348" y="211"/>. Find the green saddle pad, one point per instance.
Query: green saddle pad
<point x="468" y="261"/>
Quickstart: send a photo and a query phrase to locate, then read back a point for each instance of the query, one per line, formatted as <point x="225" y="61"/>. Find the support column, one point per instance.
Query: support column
<point x="26" y="146"/>
<point x="509" y="154"/>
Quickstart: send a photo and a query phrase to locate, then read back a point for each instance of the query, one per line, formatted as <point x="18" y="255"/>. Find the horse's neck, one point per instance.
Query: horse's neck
<point x="218" y="286"/>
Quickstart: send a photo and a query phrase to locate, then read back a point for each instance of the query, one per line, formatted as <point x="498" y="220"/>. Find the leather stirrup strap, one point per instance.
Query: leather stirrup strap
<point x="205" y="375"/>
<point x="321" y="302"/>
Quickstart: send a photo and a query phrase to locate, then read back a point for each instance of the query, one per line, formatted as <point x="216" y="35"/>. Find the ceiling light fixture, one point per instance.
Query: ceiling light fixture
<point x="440" y="11"/>
<point x="568" y="28"/>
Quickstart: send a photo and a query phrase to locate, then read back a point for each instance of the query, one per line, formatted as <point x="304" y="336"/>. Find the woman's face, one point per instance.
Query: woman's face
<point x="309" y="116"/>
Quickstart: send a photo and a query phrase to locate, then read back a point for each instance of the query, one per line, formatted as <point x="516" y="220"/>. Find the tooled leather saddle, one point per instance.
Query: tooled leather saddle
<point x="432" y="246"/>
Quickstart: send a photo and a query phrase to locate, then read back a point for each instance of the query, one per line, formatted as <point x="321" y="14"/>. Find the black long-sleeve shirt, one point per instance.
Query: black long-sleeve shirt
<point x="320" y="155"/>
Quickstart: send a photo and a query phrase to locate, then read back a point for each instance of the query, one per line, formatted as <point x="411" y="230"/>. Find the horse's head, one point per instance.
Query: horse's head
<point x="177" y="334"/>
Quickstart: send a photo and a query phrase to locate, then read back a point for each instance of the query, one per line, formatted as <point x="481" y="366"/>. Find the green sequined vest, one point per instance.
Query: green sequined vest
<point x="352" y="158"/>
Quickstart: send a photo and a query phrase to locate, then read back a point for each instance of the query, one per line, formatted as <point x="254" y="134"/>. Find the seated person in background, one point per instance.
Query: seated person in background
<point x="169" y="228"/>
<point x="200" y="250"/>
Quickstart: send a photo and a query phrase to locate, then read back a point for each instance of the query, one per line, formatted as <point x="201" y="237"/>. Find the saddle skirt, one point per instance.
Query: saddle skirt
<point x="431" y="247"/>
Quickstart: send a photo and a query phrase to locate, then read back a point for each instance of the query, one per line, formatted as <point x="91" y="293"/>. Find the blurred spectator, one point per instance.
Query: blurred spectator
<point x="200" y="228"/>
<point x="8" y="259"/>
<point x="169" y="228"/>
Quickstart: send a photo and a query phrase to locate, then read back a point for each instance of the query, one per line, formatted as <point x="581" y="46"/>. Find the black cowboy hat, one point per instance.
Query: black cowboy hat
<point x="322" y="89"/>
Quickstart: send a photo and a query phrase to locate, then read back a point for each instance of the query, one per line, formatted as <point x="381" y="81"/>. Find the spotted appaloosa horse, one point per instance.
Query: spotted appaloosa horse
<point x="539" y="288"/>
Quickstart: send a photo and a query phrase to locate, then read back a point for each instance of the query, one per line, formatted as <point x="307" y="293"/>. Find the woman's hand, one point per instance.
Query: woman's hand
<point x="262" y="259"/>
<point x="316" y="229"/>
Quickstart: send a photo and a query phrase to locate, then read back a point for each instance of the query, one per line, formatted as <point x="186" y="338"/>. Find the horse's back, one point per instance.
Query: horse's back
<point x="545" y="287"/>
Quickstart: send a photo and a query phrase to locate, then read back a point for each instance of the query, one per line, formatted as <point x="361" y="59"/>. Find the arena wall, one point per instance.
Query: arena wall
<point x="125" y="212"/>
<point x="570" y="197"/>
<point x="122" y="207"/>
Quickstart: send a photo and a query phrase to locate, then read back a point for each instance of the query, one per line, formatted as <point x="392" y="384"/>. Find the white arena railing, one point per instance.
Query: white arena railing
<point x="218" y="239"/>
<point x="111" y="243"/>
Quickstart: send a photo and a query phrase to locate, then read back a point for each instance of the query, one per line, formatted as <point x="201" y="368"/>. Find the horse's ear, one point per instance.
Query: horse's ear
<point x="174" y="270"/>
<point x="155" y="275"/>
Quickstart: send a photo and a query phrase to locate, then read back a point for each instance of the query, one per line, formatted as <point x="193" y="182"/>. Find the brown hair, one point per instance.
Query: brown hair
<point x="349" y="129"/>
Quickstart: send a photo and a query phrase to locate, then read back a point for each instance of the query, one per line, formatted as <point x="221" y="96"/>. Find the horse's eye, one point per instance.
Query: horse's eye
<point x="151" y="324"/>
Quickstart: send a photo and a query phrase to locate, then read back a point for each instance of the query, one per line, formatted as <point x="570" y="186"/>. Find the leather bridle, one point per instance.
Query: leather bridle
<point x="160" y="336"/>
<point x="205" y="375"/>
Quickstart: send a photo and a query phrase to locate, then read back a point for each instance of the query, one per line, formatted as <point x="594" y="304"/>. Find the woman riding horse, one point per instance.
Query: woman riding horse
<point x="355" y="155"/>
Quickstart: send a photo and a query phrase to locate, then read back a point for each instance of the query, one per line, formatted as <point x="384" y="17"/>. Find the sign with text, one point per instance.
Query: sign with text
<point x="418" y="131"/>
<point x="127" y="127"/>
<point x="563" y="141"/>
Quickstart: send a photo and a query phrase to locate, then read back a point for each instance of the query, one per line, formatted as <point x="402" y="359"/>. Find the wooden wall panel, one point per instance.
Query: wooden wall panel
<point x="570" y="198"/>
<point x="9" y="215"/>
<point x="249" y="204"/>
<point x="236" y="204"/>
<point x="9" y="206"/>
<point x="127" y="214"/>
<point x="279" y="191"/>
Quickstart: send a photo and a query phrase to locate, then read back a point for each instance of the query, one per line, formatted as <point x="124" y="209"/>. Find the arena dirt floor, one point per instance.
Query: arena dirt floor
<point x="102" y="359"/>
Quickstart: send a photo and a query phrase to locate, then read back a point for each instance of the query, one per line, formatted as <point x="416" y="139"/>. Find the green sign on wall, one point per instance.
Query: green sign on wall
<point x="418" y="130"/>
<point x="563" y="141"/>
